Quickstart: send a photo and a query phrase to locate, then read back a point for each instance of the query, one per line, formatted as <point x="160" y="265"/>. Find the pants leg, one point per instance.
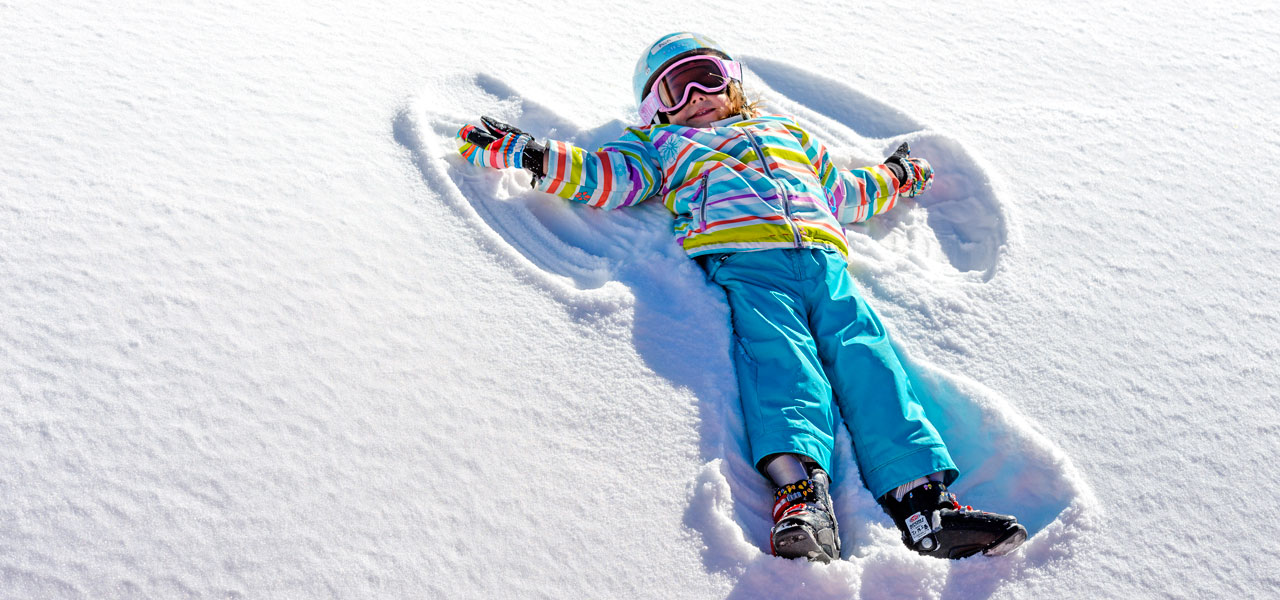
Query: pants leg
<point x="893" y="440"/>
<point x="786" y="398"/>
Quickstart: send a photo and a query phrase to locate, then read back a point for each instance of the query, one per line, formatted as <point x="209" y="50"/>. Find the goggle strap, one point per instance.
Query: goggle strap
<point x="732" y="69"/>
<point x="649" y="108"/>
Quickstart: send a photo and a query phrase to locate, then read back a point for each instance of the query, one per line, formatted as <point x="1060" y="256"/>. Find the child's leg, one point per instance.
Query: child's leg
<point x="786" y="399"/>
<point x="893" y="440"/>
<point x="785" y="468"/>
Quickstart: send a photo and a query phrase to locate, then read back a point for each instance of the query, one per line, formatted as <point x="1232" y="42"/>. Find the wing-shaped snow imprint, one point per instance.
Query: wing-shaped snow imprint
<point x="956" y="231"/>
<point x="581" y="244"/>
<point x="964" y="218"/>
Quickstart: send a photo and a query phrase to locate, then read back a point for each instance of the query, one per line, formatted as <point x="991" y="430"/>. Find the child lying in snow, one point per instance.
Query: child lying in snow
<point x="760" y="206"/>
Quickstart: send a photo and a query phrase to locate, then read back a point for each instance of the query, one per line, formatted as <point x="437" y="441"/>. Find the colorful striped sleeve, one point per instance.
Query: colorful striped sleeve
<point x="877" y="192"/>
<point x="622" y="173"/>
<point x="854" y="195"/>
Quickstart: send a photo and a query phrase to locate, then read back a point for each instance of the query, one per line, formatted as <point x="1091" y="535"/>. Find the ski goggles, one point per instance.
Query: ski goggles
<point x="673" y="87"/>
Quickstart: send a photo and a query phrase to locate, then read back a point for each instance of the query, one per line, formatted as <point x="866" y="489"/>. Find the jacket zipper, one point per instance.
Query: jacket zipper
<point x="702" y="206"/>
<point x="786" y="198"/>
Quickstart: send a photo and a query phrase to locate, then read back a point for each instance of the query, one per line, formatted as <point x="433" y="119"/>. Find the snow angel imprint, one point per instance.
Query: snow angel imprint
<point x="760" y="206"/>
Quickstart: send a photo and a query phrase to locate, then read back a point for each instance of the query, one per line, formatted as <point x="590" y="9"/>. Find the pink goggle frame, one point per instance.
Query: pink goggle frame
<point x="653" y="102"/>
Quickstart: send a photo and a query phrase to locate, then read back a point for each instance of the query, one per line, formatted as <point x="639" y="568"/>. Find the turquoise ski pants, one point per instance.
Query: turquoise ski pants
<point x="803" y="339"/>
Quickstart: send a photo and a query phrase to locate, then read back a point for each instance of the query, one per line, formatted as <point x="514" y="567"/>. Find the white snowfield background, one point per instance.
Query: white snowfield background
<point x="263" y="334"/>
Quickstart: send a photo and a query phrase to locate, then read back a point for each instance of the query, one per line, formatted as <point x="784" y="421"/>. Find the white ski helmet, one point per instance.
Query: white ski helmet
<point x="667" y="50"/>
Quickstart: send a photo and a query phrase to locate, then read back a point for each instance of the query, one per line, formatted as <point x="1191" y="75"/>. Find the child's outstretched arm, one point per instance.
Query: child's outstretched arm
<point x="859" y="194"/>
<point x="622" y="173"/>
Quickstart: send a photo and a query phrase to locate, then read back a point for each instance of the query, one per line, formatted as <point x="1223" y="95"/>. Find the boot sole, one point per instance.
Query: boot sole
<point x="798" y="542"/>
<point x="1008" y="543"/>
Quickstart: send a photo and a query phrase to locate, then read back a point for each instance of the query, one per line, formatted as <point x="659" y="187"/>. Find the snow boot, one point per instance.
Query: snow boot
<point x="933" y="523"/>
<point x="804" y="525"/>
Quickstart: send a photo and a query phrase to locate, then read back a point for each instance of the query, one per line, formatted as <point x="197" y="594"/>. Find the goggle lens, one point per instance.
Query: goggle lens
<point x="676" y="86"/>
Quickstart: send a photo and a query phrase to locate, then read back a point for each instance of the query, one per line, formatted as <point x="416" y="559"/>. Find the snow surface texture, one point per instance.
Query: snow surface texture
<point x="261" y="335"/>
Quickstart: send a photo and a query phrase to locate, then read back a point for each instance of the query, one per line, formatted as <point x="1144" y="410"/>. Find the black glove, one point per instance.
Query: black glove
<point x="532" y="156"/>
<point x="897" y="163"/>
<point x="915" y="175"/>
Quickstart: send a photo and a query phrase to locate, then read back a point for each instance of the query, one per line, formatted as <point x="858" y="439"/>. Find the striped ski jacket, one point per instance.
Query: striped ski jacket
<point x="754" y="184"/>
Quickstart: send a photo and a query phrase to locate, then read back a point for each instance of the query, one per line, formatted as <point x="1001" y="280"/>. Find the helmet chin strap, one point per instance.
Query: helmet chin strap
<point x="734" y="118"/>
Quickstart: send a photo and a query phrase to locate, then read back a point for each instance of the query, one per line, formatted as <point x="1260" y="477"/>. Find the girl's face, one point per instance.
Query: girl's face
<point x="702" y="110"/>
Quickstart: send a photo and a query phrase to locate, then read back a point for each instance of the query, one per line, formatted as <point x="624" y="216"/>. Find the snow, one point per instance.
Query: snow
<point x="263" y="334"/>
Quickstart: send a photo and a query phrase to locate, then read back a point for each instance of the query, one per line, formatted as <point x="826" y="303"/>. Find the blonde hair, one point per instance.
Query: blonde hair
<point x="739" y="104"/>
